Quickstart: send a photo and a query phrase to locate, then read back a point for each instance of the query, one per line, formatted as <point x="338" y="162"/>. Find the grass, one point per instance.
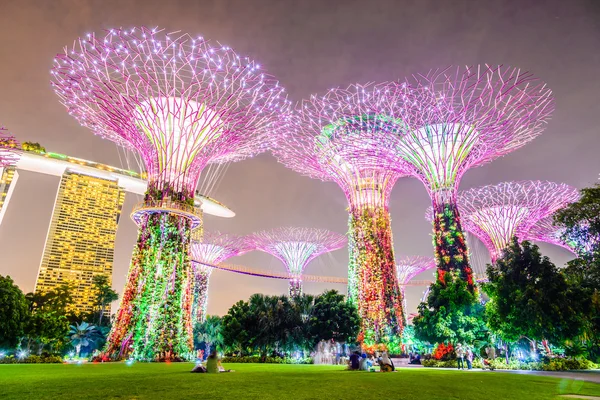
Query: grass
<point x="270" y="381"/>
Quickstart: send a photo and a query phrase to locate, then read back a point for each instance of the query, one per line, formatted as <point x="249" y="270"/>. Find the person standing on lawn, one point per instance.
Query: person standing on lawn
<point x="460" y="356"/>
<point x="469" y="358"/>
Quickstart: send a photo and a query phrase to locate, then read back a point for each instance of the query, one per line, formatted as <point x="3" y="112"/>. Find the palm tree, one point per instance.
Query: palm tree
<point x="209" y="332"/>
<point x="82" y="335"/>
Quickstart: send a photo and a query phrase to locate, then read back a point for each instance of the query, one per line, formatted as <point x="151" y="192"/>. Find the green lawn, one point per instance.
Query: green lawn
<point x="268" y="381"/>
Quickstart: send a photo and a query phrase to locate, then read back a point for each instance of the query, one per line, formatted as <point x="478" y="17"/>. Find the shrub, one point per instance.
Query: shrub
<point x="444" y="352"/>
<point x="553" y="364"/>
<point x="567" y="364"/>
<point x="267" y="360"/>
<point x="32" y="359"/>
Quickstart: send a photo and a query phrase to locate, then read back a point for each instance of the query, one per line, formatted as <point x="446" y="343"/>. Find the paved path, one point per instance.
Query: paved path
<point x="583" y="375"/>
<point x="586" y="375"/>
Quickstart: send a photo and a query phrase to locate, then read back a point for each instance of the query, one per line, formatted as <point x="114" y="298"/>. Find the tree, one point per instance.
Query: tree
<point x="581" y="222"/>
<point x="14" y="312"/>
<point x="281" y="324"/>
<point x="334" y="318"/>
<point x="49" y="321"/>
<point x="273" y="322"/>
<point x="209" y="333"/>
<point x="34" y="147"/>
<point x="530" y="297"/>
<point x="82" y="335"/>
<point x="104" y="295"/>
<point x="451" y="314"/>
<point x="303" y="307"/>
<point x="237" y="327"/>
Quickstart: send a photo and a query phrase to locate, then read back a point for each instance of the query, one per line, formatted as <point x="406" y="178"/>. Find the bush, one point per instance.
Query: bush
<point x="553" y="364"/>
<point x="33" y="359"/>
<point x="567" y="364"/>
<point x="444" y="352"/>
<point x="268" y="360"/>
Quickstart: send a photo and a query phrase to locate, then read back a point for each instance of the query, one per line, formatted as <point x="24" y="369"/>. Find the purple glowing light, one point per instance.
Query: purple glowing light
<point x="9" y="148"/>
<point x="459" y="118"/>
<point x="497" y="213"/>
<point x="212" y="249"/>
<point x="296" y="248"/>
<point x="181" y="102"/>
<point x="545" y="230"/>
<point x="410" y="266"/>
<point x="340" y="137"/>
<point x="215" y="247"/>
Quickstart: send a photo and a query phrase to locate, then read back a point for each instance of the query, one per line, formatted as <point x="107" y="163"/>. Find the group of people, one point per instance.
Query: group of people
<point x="360" y="362"/>
<point x="213" y="365"/>
<point x="464" y="354"/>
<point x="330" y="353"/>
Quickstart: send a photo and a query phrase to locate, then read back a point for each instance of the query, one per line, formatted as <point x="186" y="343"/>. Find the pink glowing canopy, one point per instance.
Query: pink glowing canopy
<point x="497" y="213"/>
<point x="545" y="230"/>
<point x="216" y="247"/>
<point x="342" y="137"/>
<point x="180" y="101"/>
<point x="408" y="267"/>
<point x="296" y="247"/>
<point x="9" y="148"/>
<point x="458" y="118"/>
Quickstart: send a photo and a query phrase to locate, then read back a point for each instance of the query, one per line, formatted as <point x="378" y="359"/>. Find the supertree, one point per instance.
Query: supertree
<point x="497" y="213"/>
<point x="181" y="102"/>
<point x="296" y="248"/>
<point x="546" y="230"/>
<point x="9" y="148"/>
<point x="342" y="137"/>
<point x="211" y="248"/>
<point x="459" y="118"/>
<point x="410" y="266"/>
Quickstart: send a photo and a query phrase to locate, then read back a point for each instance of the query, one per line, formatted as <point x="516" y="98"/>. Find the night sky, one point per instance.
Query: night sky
<point x="310" y="46"/>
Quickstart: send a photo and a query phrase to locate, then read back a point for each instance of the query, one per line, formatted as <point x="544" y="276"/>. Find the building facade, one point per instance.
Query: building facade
<point x="81" y="237"/>
<point x="8" y="180"/>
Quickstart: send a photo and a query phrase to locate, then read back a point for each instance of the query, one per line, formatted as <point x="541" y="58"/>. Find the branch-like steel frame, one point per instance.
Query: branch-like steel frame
<point x="497" y="213"/>
<point x="296" y="247"/>
<point x="212" y="248"/>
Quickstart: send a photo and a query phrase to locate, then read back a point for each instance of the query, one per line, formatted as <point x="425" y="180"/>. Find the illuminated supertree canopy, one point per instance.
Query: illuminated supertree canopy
<point x="459" y="118"/>
<point x="547" y="231"/>
<point x="410" y="266"/>
<point x="296" y="248"/>
<point x="181" y="102"/>
<point x="497" y="213"/>
<point x="212" y="248"/>
<point x="342" y="137"/>
<point x="9" y="148"/>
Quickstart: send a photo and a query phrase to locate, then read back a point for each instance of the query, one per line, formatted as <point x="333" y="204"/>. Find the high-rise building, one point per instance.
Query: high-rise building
<point x="8" y="180"/>
<point x="80" y="241"/>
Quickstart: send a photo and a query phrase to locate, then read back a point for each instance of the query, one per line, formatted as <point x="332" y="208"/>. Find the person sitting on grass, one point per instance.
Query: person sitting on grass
<point x="213" y="364"/>
<point x="364" y="363"/>
<point x="354" y="363"/>
<point x="416" y="359"/>
<point x="386" y="364"/>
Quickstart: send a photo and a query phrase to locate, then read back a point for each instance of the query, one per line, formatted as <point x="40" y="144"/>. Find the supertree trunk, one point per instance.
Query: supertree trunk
<point x="154" y="318"/>
<point x="295" y="288"/>
<point x="451" y="252"/>
<point x="378" y="294"/>
<point x="201" y="281"/>
<point x="352" y="279"/>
